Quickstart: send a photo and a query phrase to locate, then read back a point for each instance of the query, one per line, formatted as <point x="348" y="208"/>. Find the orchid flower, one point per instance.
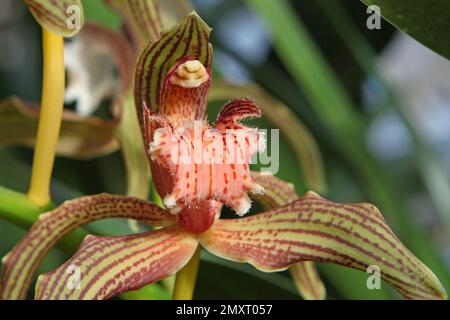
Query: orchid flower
<point x="172" y="79"/>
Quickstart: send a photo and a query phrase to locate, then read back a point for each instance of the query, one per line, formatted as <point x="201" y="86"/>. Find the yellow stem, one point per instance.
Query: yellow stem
<point x="186" y="277"/>
<point x="52" y="102"/>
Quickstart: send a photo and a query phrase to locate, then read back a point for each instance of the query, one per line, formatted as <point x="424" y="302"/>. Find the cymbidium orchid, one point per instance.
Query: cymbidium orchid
<point x="195" y="175"/>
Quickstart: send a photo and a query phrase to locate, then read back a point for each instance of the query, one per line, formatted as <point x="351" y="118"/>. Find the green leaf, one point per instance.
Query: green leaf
<point x="64" y="17"/>
<point x="426" y="21"/>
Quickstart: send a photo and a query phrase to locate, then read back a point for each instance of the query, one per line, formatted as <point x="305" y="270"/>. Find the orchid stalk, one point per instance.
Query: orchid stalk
<point x="50" y="118"/>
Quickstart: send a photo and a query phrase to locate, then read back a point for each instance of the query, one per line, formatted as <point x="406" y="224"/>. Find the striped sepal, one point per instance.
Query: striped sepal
<point x="104" y="267"/>
<point x="189" y="38"/>
<point x="315" y="229"/>
<point x="305" y="275"/>
<point x="63" y="17"/>
<point x="143" y="18"/>
<point x="307" y="280"/>
<point x="20" y="264"/>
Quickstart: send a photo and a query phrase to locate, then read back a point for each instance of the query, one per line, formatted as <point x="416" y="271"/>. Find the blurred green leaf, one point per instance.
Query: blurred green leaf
<point x="426" y="21"/>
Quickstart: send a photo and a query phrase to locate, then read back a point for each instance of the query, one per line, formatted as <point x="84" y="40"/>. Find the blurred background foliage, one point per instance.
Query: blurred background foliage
<point x="376" y="101"/>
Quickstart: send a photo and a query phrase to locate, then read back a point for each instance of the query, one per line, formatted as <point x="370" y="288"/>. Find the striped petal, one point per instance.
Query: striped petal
<point x="104" y="267"/>
<point x="304" y="274"/>
<point x="315" y="229"/>
<point x="20" y="264"/>
<point x="181" y="54"/>
<point x="63" y="17"/>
